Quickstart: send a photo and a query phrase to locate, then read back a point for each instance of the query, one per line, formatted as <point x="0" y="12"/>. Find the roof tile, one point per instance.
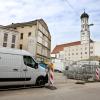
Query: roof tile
<point x="61" y="47"/>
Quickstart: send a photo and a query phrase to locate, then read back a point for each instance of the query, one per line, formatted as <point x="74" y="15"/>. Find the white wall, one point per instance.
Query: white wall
<point x="97" y="48"/>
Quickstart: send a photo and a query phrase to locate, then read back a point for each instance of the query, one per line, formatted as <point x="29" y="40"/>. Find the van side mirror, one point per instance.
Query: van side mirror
<point x="36" y="65"/>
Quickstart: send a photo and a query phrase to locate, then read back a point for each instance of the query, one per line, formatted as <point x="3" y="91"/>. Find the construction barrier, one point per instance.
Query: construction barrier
<point x="51" y="77"/>
<point x="97" y="73"/>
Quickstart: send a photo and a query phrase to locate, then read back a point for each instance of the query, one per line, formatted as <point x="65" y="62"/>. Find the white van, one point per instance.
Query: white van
<point x="18" y="67"/>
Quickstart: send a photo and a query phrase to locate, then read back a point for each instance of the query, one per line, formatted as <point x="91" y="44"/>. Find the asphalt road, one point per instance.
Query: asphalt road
<point x="66" y="90"/>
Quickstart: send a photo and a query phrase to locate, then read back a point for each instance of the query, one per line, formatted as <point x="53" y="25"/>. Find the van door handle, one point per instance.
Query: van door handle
<point x="15" y="69"/>
<point x="25" y="70"/>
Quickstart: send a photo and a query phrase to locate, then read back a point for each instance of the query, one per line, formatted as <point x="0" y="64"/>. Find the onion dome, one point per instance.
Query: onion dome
<point x="84" y="15"/>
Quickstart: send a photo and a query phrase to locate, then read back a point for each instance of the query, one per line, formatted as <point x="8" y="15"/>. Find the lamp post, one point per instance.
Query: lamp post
<point x="89" y="42"/>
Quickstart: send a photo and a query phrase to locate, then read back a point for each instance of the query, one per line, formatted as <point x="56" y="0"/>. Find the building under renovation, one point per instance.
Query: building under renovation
<point x="34" y="36"/>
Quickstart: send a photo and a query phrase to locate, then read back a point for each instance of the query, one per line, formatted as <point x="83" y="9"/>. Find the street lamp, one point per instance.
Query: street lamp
<point x="90" y="24"/>
<point x="89" y="42"/>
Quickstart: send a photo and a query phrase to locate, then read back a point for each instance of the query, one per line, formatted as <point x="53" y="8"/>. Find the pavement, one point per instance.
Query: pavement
<point x="66" y="90"/>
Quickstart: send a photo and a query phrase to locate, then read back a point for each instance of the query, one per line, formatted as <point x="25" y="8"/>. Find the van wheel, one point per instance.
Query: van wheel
<point x="40" y="81"/>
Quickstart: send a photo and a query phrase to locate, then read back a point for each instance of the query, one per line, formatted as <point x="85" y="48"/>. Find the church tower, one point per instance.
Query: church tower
<point x="85" y="32"/>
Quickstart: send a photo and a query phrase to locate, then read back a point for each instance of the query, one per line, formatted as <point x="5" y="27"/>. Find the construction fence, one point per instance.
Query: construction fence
<point x="82" y="72"/>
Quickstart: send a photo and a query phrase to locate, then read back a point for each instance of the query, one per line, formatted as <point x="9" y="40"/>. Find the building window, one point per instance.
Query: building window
<point x="76" y="53"/>
<point x="29" y="34"/>
<point x="81" y="53"/>
<point x="39" y="49"/>
<point x="12" y="45"/>
<point x="83" y="33"/>
<point x="13" y="38"/>
<point x="4" y="44"/>
<point x="83" y="26"/>
<point x="91" y="52"/>
<point x="13" y="41"/>
<point x="5" y="40"/>
<point x="65" y="58"/>
<point x="21" y="46"/>
<point x="22" y="27"/>
<point x="21" y="36"/>
<point x="85" y="48"/>
<point x="85" y="52"/>
<point x="5" y="37"/>
<point x="15" y="28"/>
<point x="72" y="53"/>
<point x="91" y="47"/>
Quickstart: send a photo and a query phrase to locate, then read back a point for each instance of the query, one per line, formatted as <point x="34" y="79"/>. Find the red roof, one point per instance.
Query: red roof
<point x="61" y="47"/>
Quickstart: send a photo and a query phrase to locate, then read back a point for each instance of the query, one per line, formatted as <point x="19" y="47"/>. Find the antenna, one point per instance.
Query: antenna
<point x="84" y="10"/>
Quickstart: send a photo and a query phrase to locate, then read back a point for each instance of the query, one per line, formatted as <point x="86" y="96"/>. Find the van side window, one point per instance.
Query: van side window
<point x="29" y="61"/>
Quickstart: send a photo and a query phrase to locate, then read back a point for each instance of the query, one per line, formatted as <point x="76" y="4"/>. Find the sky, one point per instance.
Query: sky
<point x="61" y="16"/>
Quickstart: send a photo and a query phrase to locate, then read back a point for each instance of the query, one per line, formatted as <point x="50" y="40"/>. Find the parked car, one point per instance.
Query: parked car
<point x="42" y="64"/>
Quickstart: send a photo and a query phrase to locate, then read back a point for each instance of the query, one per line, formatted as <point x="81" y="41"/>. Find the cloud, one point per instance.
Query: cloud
<point x="61" y="16"/>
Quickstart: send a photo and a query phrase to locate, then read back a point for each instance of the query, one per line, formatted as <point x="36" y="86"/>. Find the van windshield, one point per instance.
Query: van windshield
<point x="29" y="61"/>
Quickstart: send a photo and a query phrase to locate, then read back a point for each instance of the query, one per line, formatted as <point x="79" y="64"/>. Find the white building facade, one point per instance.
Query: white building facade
<point x="8" y="38"/>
